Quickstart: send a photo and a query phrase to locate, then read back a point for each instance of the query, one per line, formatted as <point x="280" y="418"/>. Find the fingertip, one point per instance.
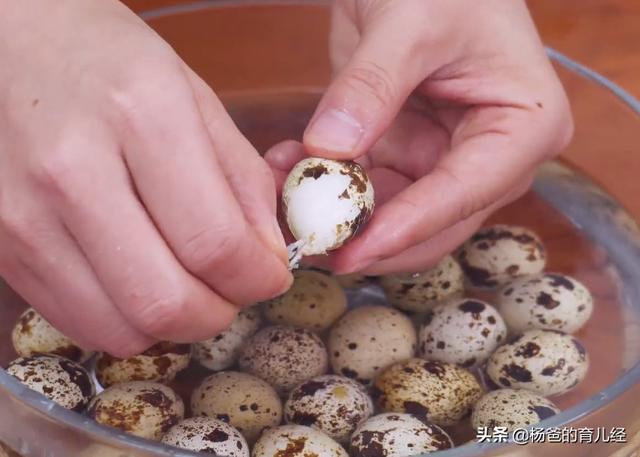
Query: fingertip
<point x="284" y="155"/>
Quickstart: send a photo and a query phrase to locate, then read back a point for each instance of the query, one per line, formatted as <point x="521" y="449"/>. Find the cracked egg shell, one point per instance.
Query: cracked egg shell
<point x="160" y="363"/>
<point x="420" y="292"/>
<point x="497" y="254"/>
<point x="546" y="362"/>
<point x="140" y="408"/>
<point x="463" y="332"/>
<point x="332" y="404"/>
<point x="326" y="202"/>
<point x="437" y="392"/>
<point x="222" y="351"/>
<point x="240" y="399"/>
<point x="33" y="335"/>
<point x="207" y="435"/>
<point x="296" y="441"/>
<point x="511" y="409"/>
<point x="397" y="435"/>
<point x="548" y="301"/>
<point x="60" y="380"/>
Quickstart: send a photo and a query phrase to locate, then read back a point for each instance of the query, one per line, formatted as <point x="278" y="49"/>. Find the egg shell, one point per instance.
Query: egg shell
<point x="284" y="356"/>
<point x="548" y="301"/>
<point x="325" y="202"/>
<point x="33" y="335"/>
<point x="314" y="301"/>
<point x="397" y="435"/>
<point x="207" y="435"/>
<point x="296" y="441"/>
<point x="435" y="392"/>
<point x="333" y="404"/>
<point x="160" y="363"/>
<point x="546" y="362"/>
<point x="497" y="254"/>
<point x="141" y="408"/>
<point x="464" y="332"/>
<point x="422" y="291"/>
<point x="368" y="339"/>
<point x="61" y="380"/>
<point x="352" y="280"/>
<point x="244" y="401"/>
<point x="511" y="409"/>
<point x="222" y="351"/>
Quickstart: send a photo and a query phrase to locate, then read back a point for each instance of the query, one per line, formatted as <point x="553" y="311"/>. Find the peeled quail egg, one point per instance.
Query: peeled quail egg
<point x="144" y="409"/>
<point x="546" y="362"/>
<point x="463" y="332"/>
<point x="296" y="441"/>
<point x="497" y="254"/>
<point x="207" y="435"/>
<point x="368" y="339"/>
<point x="436" y="392"/>
<point x="284" y="356"/>
<point x="419" y="292"/>
<point x="325" y="202"/>
<point x="547" y="301"/>
<point x="397" y="435"/>
<point x="33" y="335"/>
<point x="511" y="409"/>
<point x="314" y="301"/>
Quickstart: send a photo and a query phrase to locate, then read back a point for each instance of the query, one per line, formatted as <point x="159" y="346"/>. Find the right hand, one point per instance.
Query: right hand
<point x="131" y="208"/>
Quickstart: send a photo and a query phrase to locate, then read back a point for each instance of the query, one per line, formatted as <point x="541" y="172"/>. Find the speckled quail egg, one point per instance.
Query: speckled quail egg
<point x="159" y="363"/>
<point x="464" y="332"/>
<point x="61" y="380"/>
<point x="547" y="301"/>
<point x="284" y="356"/>
<point x="353" y="280"/>
<point x="296" y="441"/>
<point x="141" y="408"/>
<point x="368" y="339"/>
<point x="244" y="401"/>
<point x="314" y="301"/>
<point x="325" y="202"/>
<point x="222" y="351"/>
<point x="434" y="391"/>
<point x="419" y="292"/>
<point x="397" y="435"/>
<point x="511" y="409"/>
<point x="497" y="254"/>
<point x="333" y="404"/>
<point x="547" y="362"/>
<point x="207" y="435"/>
<point x="33" y="335"/>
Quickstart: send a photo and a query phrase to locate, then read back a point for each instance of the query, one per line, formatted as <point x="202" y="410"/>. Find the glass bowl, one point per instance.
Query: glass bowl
<point x="268" y="61"/>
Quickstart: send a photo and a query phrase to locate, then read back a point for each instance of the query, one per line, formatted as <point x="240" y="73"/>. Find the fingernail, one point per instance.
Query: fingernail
<point x="334" y="130"/>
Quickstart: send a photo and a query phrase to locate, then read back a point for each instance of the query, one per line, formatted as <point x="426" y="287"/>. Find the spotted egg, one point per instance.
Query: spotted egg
<point x="207" y="435"/>
<point x="353" y="280"/>
<point x="296" y="441"/>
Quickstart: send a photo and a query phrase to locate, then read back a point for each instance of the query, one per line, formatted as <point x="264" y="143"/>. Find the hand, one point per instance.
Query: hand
<point x="449" y="104"/>
<point x="131" y="208"/>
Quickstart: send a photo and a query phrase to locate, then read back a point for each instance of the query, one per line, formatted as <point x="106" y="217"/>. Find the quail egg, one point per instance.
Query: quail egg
<point x="352" y="280"/>
<point x="61" y="380"/>
<point x="436" y="392"/>
<point x="207" y="435"/>
<point x="296" y="441"/>
<point x="419" y="292"/>
<point x="397" y="435"/>
<point x="240" y="399"/>
<point x="33" y="335"/>
<point x="511" y="409"/>
<point x="284" y="356"/>
<point x="222" y="351"/>
<point x="333" y="404"/>
<point x="463" y="332"/>
<point x="546" y="362"/>
<point x="141" y="408"/>
<point x="368" y="339"/>
<point x="497" y="254"/>
<point x="314" y="301"/>
<point x="546" y="301"/>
